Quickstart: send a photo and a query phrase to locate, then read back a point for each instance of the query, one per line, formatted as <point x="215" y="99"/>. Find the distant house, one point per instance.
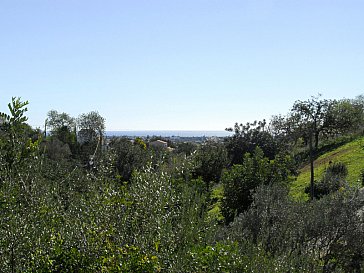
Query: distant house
<point x="158" y="144"/>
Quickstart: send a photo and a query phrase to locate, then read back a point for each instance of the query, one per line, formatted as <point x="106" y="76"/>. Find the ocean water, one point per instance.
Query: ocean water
<point x="169" y="133"/>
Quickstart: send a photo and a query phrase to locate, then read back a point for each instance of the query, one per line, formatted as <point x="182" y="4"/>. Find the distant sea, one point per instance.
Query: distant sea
<point x="169" y="133"/>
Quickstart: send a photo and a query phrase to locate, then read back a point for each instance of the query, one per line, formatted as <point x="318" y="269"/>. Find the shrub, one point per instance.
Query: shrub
<point x="332" y="180"/>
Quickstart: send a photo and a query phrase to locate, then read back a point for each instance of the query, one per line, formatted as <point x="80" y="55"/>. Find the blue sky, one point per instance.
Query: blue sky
<point x="182" y="65"/>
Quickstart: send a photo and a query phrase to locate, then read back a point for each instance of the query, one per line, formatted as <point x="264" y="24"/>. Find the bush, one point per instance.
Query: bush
<point x="332" y="180"/>
<point x="241" y="181"/>
<point x="322" y="234"/>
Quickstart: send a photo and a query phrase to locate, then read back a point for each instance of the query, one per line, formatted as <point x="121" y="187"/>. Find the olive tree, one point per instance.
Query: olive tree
<point x="56" y="121"/>
<point x="91" y="128"/>
<point x="63" y="135"/>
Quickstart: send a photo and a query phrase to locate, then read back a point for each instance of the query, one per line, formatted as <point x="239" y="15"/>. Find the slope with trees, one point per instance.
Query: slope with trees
<point x="140" y="210"/>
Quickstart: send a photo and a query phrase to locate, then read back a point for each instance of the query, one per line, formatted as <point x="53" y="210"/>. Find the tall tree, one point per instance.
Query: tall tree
<point x="63" y="132"/>
<point x="91" y="129"/>
<point x="57" y="121"/>
<point x="311" y="115"/>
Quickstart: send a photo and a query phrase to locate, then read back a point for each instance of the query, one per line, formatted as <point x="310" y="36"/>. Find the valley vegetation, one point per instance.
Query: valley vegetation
<point x="71" y="203"/>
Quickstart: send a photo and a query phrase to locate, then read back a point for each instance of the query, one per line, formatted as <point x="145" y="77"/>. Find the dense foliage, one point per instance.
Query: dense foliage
<point x="71" y="203"/>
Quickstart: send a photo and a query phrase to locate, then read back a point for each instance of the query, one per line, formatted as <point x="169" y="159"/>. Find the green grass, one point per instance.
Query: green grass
<point x="214" y="212"/>
<point x="351" y="154"/>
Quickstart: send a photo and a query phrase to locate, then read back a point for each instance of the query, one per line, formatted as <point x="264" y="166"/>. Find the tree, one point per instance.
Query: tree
<point x="285" y="129"/>
<point x="311" y="116"/>
<point x="246" y="138"/>
<point x="316" y="118"/>
<point x="186" y="148"/>
<point x="59" y="121"/>
<point x="344" y="116"/>
<point x="211" y="158"/>
<point x="63" y="134"/>
<point x="242" y="179"/>
<point x="324" y="118"/>
<point x="91" y="131"/>
<point x="16" y="141"/>
<point x="92" y="122"/>
<point x="128" y="156"/>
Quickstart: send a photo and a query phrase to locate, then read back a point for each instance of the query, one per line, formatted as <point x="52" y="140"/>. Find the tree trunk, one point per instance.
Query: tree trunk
<point x="316" y="139"/>
<point x="311" y="166"/>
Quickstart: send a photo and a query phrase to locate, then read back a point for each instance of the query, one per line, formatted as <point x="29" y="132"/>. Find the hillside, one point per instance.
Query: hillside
<point x="351" y="154"/>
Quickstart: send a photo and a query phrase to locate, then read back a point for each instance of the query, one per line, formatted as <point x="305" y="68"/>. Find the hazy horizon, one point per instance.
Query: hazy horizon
<point x="169" y="133"/>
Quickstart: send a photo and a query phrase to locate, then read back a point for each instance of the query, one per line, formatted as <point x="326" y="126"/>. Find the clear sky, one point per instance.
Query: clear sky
<point x="182" y="65"/>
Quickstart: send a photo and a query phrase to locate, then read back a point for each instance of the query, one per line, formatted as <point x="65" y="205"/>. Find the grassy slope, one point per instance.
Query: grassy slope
<point x="351" y="154"/>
